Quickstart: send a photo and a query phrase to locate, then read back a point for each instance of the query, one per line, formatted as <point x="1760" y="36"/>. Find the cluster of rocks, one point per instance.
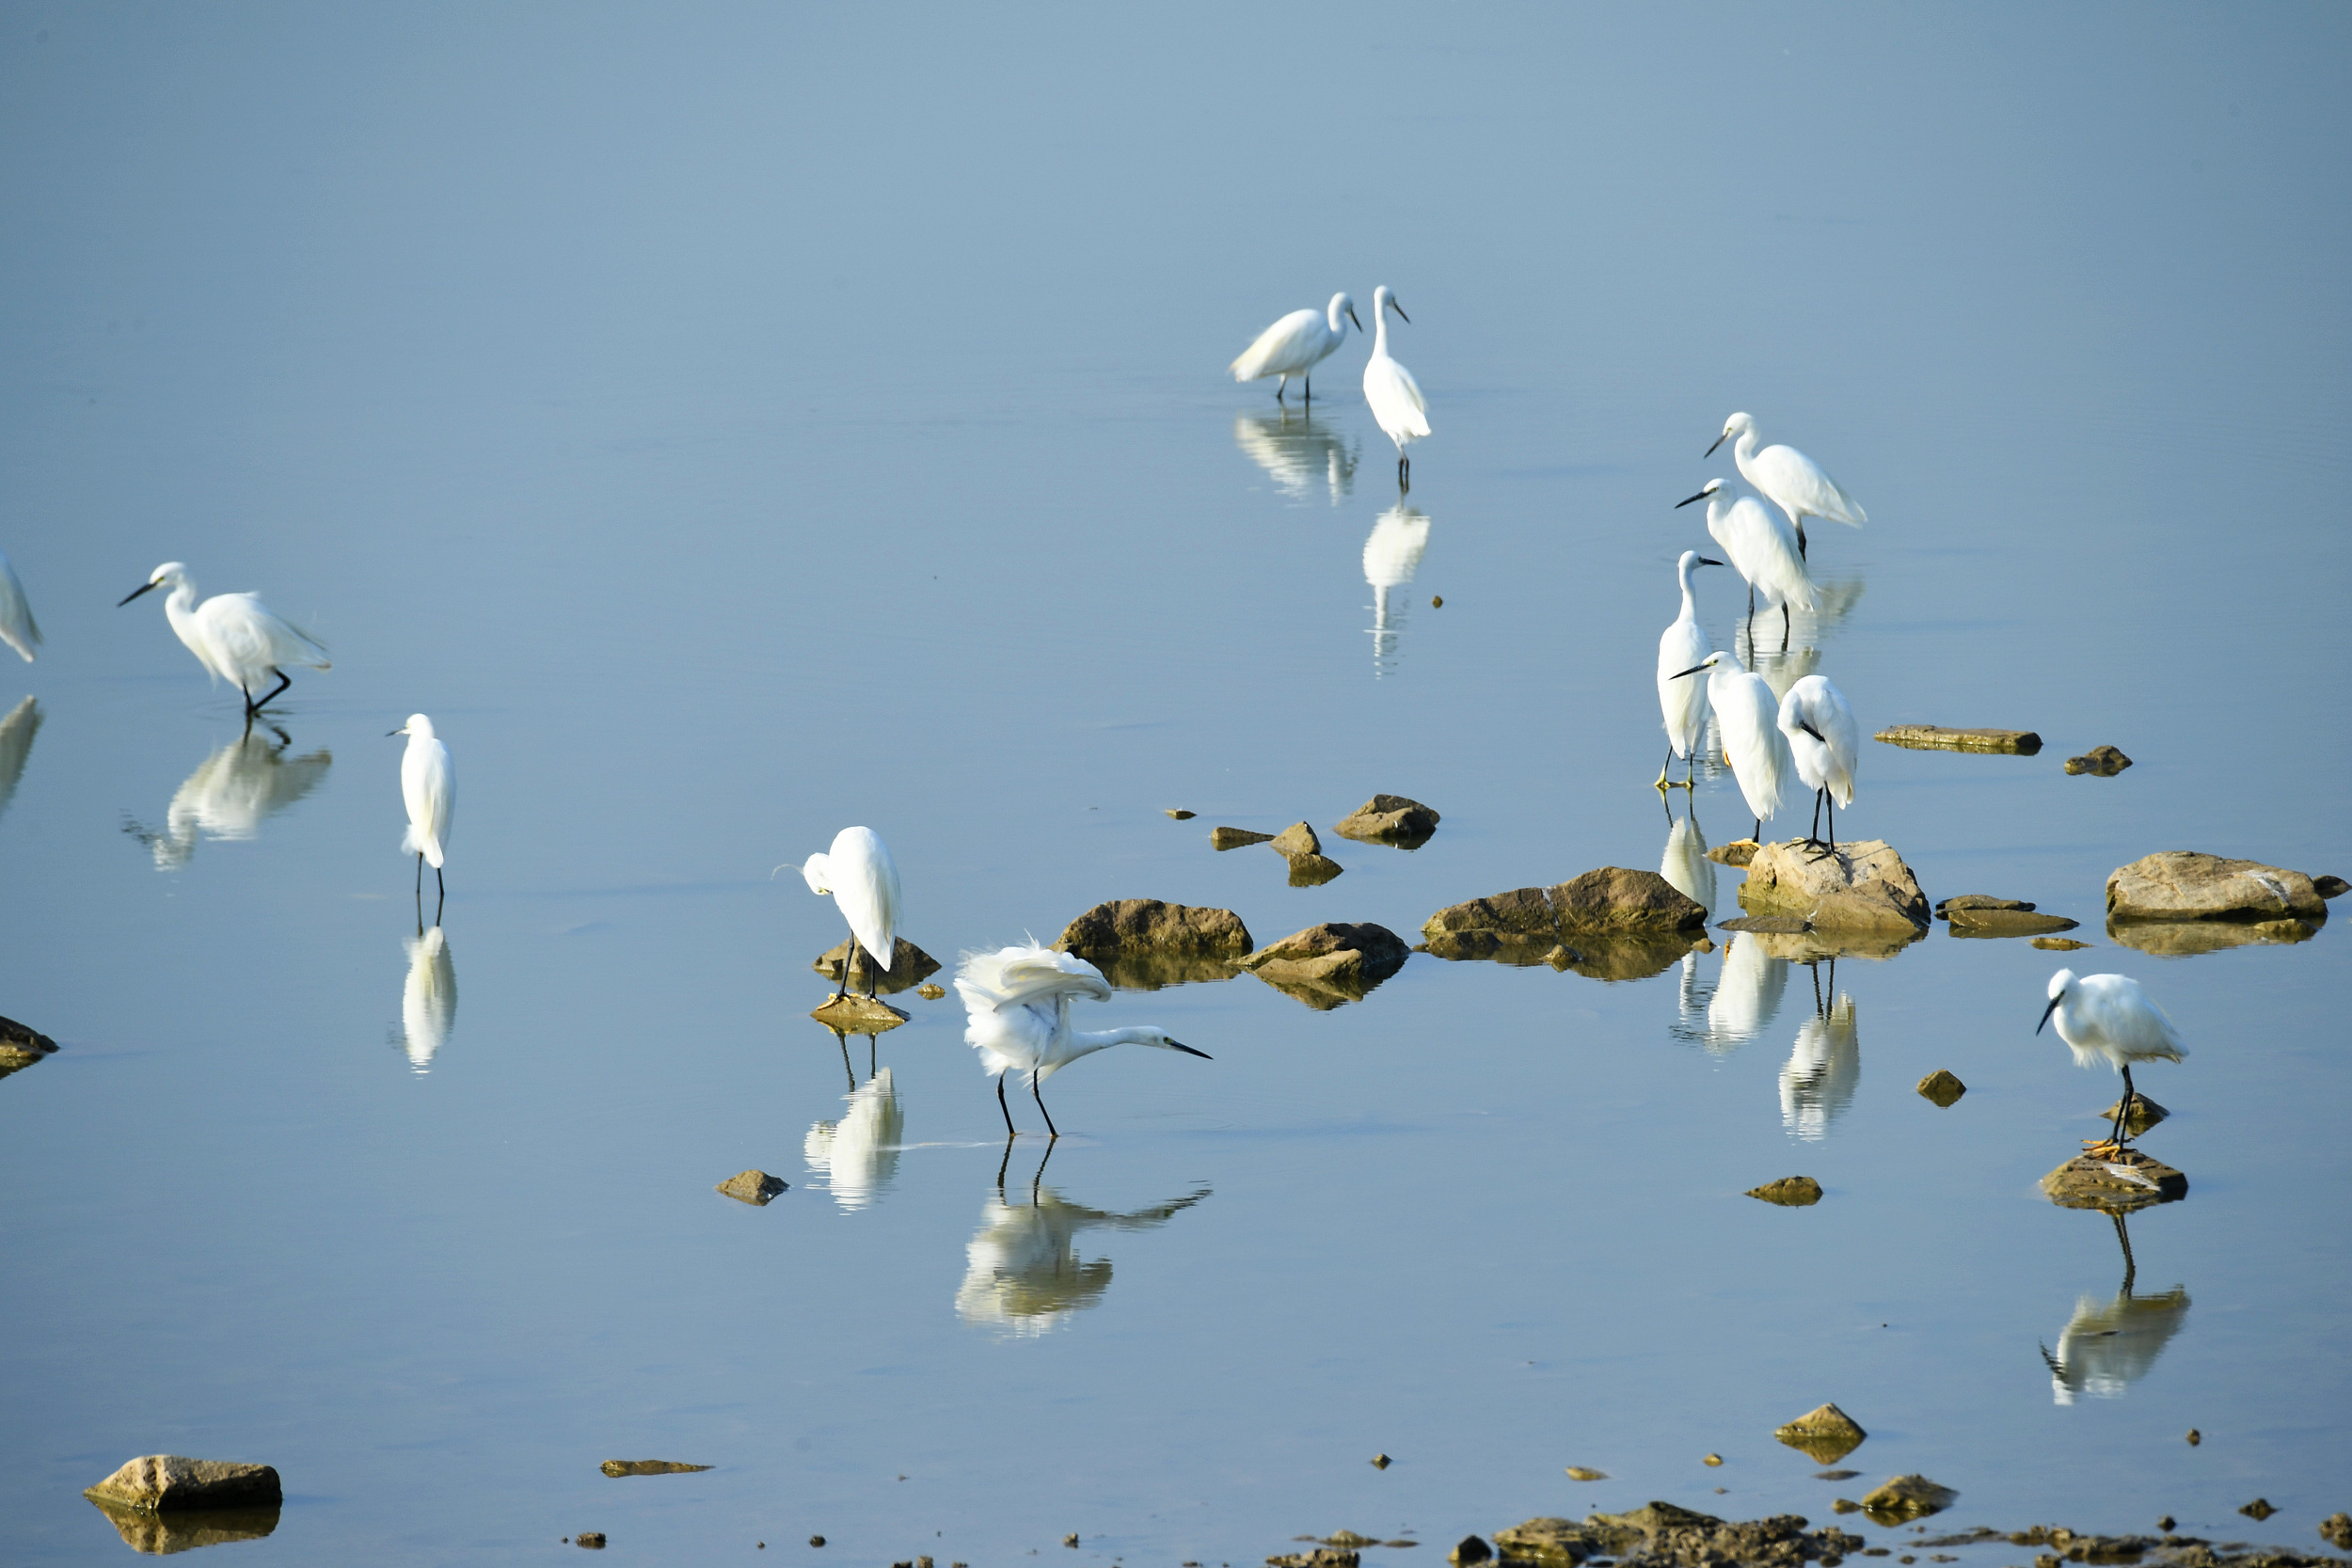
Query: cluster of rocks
<point x="1328" y="965"/>
<point x="1665" y="1535"/>
<point x="1391" y="819"/>
<point x="1610" y="924"/>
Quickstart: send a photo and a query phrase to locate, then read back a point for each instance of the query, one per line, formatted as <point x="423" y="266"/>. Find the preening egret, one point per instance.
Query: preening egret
<point x="428" y="1002"/>
<point x="1790" y="479"/>
<point x="1824" y="743"/>
<point x="235" y="636"/>
<point x="1018" y="1003"/>
<point x="1762" y="549"/>
<point x="1296" y="345"/>
<point x="1680" y="646"/>
<point x="1393" y="553"/>
<point x="859" y="1154"/>
<point x="1752" y="744"/>
<point x="2107" y="1018"/>
<point x="231" y="792"/>
<point x="18" y="628"/>
<point x="1397" y="406"/>
<point x="428" y="786"/>
<point x="863" y="880"/>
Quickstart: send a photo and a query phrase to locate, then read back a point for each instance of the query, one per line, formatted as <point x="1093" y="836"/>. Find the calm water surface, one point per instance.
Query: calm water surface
<point x="732" y="423"/>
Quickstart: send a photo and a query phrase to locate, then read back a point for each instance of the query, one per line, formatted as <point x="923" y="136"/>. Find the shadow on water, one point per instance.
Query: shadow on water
<point x="428" y="998"/>
<point x="858" y="1155"/>
<point x="2109" y="1345"/>
<point x="1022" y="1274"/>
<point x="230" y="793"/>
<point x="16" y="745"/>
<point x="1392" y="554"/>
<point x="1297" y="450"/>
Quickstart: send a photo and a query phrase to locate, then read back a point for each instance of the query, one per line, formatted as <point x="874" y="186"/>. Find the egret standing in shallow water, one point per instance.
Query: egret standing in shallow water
<point x="1752" y="739"/>
<point x="1763" y="549"/>
<point x="18" y="628"/>
<point x="1018" y="999"/>
<point x="1825" y="743"/>
<point x="1294" y="345"/>
<point x="863" y="880"/>
<point x="428" y="786"/>
<point x="2107" y="1018"/>
<point x="1397" y="406"/>
<point x="1680" y="646"/>
<point x="1792" y="481"/>
<point x="234" y="636"/>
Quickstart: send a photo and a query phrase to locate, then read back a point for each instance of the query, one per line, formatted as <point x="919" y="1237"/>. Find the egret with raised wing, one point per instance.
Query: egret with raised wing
<point x="1825" y="743"/>
<point x="1397" y="406"/>
<point x="1790" y="479"/>
<point x="235" y="636"/>
<point x="1752" y="744"/>
<point x="2107" y="1018"/>
<point x="1294" y="345"/>
<point x="1763" y="549"/>
<point x="863" y="880"/>
<point x="1018" y="1002"/>
<point x="428" y="786"/>
<point x="1680" y="646"/>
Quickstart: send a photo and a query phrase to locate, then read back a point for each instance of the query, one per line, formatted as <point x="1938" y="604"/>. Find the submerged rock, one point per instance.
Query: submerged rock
<point x="1865" y="886"/>
<point x="2114" y="1186"/>
<point x="1671" y="1537"/>
<point x="1789" y="1192"/>
<point x="1944" y="1087"/>
<point x="1326" y="965"/>
<point x="1139" y="926"/>
<point x="755" y="1187"/>
<point x="1905" y="1498"/>
<point x="655" y="1467"/>
<point x="20" y="1047"/>
<point x="163" y="1482"/>
<point x="1233" y="838"/>
<point x="909" y="966"/>
<point x="2006" y="922"/>
<point x="2058" y="945"/>
<point x="1390" y="819"/>
<point x="1824" y="1435"/>
<point x="1610" y="902"/>
<point x="161" y="1534"/>
<point x="2330" y="886"/>
<point x="1980" y="901"/>
<point x="2022" y="743"/>
<point x="2105" y="761"/>
<point x="2187" y="884"/>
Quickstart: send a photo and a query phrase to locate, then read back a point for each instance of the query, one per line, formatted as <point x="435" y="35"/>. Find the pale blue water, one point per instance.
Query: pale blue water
<point x="732" y="423"/>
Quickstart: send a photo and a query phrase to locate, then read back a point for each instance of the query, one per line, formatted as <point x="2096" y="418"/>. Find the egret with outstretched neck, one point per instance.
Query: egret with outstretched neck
<point x="1763" y="549"/>
<point x="1825" y="743"/>
<point x="234" y="636"/>
<point x="1017" y="1000"/>
<point x="1680" y="646"/>
<point x="428" y="786"/>
<point x="1753" y="743"/>
<point x="1294" y="345"/>
<point x="2107" y="1018"/>
<point x="1397" y="406"/>
<point x="1790" y="479"/>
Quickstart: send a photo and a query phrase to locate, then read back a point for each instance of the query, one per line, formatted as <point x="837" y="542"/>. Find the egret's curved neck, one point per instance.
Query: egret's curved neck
<point x="1088" y="1041"/>
<point x="1743" y="453"/>
<point x="1682" y="571"/>
<point x="181" y="608"/>
<point x="1337" y="319"/>
<point x="1380" y="330"/>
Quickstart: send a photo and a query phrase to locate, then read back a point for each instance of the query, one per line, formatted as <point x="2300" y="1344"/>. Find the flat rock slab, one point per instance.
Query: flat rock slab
<point x="755" y="1187"/>
<point x="1824" y="1435"/>
<point x="858" y="1015"/>
<point x="1328" y="965"/>
<point x="1234" y="838"/>
<point x="161" y="1534"/>
<point x="2104" y="761"/>
<point x="647" y="1468"/>
<point x="1149" y="926"/>
<point x="2058" y="945"/>
<point x="1944" y="1088"/>
<point x="1393" y="819"/>
<point x="1905" y="1498"/>
<point x="1864" y="886"/>
<point x="2006" y="922"/>
<point x="1934" y="737"/>
<point x="1612" y="901"/>
<point x="1789" y="1192"/>
<point x="2087" y="1182"/>
<point x="1666" y="1536"/>
<point x="1980" y="901"/>
<point x="2188" y="884"/>
<point x="162" y="1482"/>
<point x="910" y="966"/>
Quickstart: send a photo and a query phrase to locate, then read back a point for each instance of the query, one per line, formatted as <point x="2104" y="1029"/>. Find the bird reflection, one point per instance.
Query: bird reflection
<point x="1747" y="994"/>
<point x="1296" y="450"/>
<point x="16" y="744"/>
<point x="1022" y="1274"/>
<point x="428" y="1000"/>
<point x="859" y="1154"/>
<point x="2107" y="1346"/>
<point x="1391" y="556"/>
<point x="1685" y="864"/>
<point x="1785" y="659"/>
<point x="231" y="792"/>
<point x="1817" y="1082"/>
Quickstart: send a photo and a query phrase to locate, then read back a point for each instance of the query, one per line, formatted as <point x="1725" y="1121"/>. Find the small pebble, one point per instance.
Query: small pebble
<point x="930" y="992"/>
<point x="1070" y="1540"/>
<point x="2195" y="1437"/>
<point x="2165" y="1524"/>
<point x="2259" y="1509"/>
<point x="1381" y="1461"/>
<point x="1180" y="815"/>
<point x="816" y="1540"/>
<point x="1437" y="601"/>
<point x="1721" y="1491"/>
<point x="1712" y="1459"/>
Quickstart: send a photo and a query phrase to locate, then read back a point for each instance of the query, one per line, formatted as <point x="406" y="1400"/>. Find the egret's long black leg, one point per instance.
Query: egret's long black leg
<point x="1759" y="831"/>
<point x="1666" y="767"/>
<point x="1279" y="382"/>
<point x="841" y="991"/>
<point x="870" y="1041"/>
<point x="419" y="878"/>
<point x="847" y="1071"/>
<point x="440" y="900"/>
<point x="2123" y="1107"/>
<point x="1051" y="1129"/>
<point x="284" y="680"/>
<point x="1009" y="1133"/>
<point x="1309" y="383"/>
<point x="1783" y="626"/>
<point x="1003" y="1164"/>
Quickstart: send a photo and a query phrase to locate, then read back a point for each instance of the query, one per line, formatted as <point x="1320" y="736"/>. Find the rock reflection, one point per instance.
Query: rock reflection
<point x="1297" y="450"/>
<point x="1023" y="1274"/>
<point x="1748" y="989"/>
<point x="2107" y="1346"/>
<point x="161" y="1534"/>
<point x="2180" y="939"/>
<point x="1818" y="1081"/>
<point x="230" y="793"/>
<point x="1154" y="970"/>
<point x="858" y="1155"/>
<point x="428" y="1000"/>
<point x="16" y="744"/>
<point x="1391" y="554"/>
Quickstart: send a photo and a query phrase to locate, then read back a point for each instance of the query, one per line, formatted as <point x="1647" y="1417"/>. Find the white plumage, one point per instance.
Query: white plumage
<point x="230" y="793"/>
<point x="1296" y="345"/>
<point x="859" y="1154"/>
<point x="1393" y="553"/>
<point x="428" y="786"/>
<point x="1752" y="744"/>
<point x="2107" y="1018"/>
<point x="1763" y="549"/>
<point x="1818" y="1081"/>
<point x="1824" y="743"/>
<point x="1397" y="406"/>
<point x="1790" y="479"/>
<point x="428" y="1001"/>
<point x="1681" y="703"/>
<point x="1017" y="1000"/>
<point x="863" y="880"/>
<point x="235" y="636"/>
<point x="18" y="628"/>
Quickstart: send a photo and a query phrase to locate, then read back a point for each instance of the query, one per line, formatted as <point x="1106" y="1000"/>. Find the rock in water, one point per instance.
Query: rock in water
<point x="1944" y="1088"/>
<point x="1556" y="1543"/>
<point x="1526" y="923"/>
<point x="2337" y="1528"/>
<point x="2258" y="1510"/>
<point x="1390" y="819"/>
<point x="655" y="1467"/>
<point x="931" y="994"/>
<point x="2089" y="1182"/>
<point x="1469" y="1549"/>
<point x="20" y="1047"/>
<point x="1296" y="840"/>
<point x="755" y="1187"/>
<point x="592" y="1539"/>
<point x="1313" y="870"/>
<point x="1330" y="964"/>
<point x="909" y="966"/>
<point x="2006" y="922"/>
<point x="2058" y="945"/>
<point x="1579" y="1472"/>
<point x="1664" y="1536"/>
<point x="1980" y="901"/>
<point x="1824" y="1435"/>
<point x="1181" y="815"/>
<point x="2326" y="887"/>
<point x="1233" y="838"/>
<point x="1863" y="887"/>
<point x="1789" y="1192"/>
<point x="1321" y="1557"/>
<point x="1905" y="1498"/>
<point x="2105" y="761"/>
<point x="857" y="1015"/>
<point x="2146" y="1113"/>
<point x="162" y="1482"/>
<point x="1738" y="852"/>
<point x="1139" y="926"/>
<point x="2187" y="884"/>
<point x="2022" y="743"/>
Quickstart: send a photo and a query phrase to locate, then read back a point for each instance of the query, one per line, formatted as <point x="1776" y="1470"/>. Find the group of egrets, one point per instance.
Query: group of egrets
<point x="1294" y="345"/>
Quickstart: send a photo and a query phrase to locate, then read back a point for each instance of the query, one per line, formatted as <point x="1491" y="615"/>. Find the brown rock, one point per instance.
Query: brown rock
<point x="1610" y="902"/>
<point x="1932" y="738"/>
<point x="1905" y="1498"/>
<point x="1579" y="1472"/>
<point x="2175" y="939"/>
<point x="592" y="1539"/>
<point x="2326" y="887"/>
<point x="657" y="1467"/>
<point x="1468" y="1550"/>
<point x="1664" y="1536"/>
<point x="1330" y="964"/>
<point x="2187" y="884"/>
<point x="2259" y="1509"/>
<point x="1138" y="925"/>
<point x="909" y="965"/>
<point x="931" y="994"/>
<point x="1233" y="838"/>
<point x="1944" y="1087"/>
<point x="1381" y="1461"/>
<point x="1321" y="1557"/>
<point x="1738" y="852"/>
<point x="1313" y="870"/>
<point x="1348" y="1538"/>
<point x="854" y="1014"/>
<point x="2105" y="761"/>
<point x="1390" y="819"/>
<point x="165" y="1482"/>
<point x="161" y="1534"/>
<point x="1613" y="902"/>
<point x="20" y="1047"/>
<point x="1789" y="1192"/>
<point x="1863" y="887"/>
<point x="1556" y="1543"/>
<point x="2087" y="1182"/>
<point x="2006" y="922"/>
<point x="2058" y="945"/>
<point x="1825" y="1436"/>
<point x="2146" y="1113"/>
<point x="1180" y="815"/>
<point x="1296" y="840"/>
<point x="2337" y="1528"/>
<point x="755" y="1187"/>
<point x="1980" y="901"/>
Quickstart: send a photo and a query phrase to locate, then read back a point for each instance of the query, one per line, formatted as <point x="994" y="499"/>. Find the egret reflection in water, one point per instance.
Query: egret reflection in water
<point x="1685" y="864"/>
<point x="1818" y="1081"/>
<point x="1297" y="452"/>
<point x="1748" y="990"/>
<point x="16" y="745"/>
<point x="428" y="999"/>
<point x="230" y="793"/>
<point x="1391" y="554"/>
<point x="2107" y="1346"/>
<point x="1021" y="1270"/>
<point x="858" y="1155"/>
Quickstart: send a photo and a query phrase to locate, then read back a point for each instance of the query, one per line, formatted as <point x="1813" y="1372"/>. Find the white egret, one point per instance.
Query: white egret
<point x="1393" y="553"/>
<point x="230" y="793"/>
<point x="1752" y="744"/>
<point x="1825" y="744"/>
<point x="1790" y="479"/>
<point x="428" y="786"/>
<point x="1680" y="646"/>
<point x="1018" y="1003"/>
<point x="1762" y="549"/>
<point x="1397" y="406"/>
<point x="428" y="1002"/>
<point x="863" y="880"/>
<point x="1294" y="345"/>
<point x="18" y="628"/>
<point x="2107" y="1018"/>
<point x="859" y="1154"/>
<point x="235" y="636"/>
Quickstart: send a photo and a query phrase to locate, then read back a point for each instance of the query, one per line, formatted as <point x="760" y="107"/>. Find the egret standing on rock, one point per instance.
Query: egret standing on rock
<point x="2107" y="1018"/>
<point x="1397" y="406"/>
<point x="234" y="636"/>
<point x="428" y="786"/>
<point x="1792" y="481"/>
<point x="1017" y="1000"/>
<point x="1763" y="549"/>
<point x="1752" y="739"/>
<point x="863" y="880"/>
<point x="18" y="628"/>
<point x="1825" y="744"/>
<point x="1680" y="646"/>
<point x="1294" y="345"/>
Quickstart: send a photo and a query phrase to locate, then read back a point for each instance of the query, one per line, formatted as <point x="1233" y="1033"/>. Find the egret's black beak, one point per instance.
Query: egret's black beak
<point x="1700" y="496"/>
<point x="1398" y="309"/>
<point x="1816" y="735"/>
<point x="1354" y="317"/>
<point x="134" y="593"/>
<point x="1704" y="561"/>
<point x="2048" y="1010"/>
<point x="1179" y="1045"/>
<point x="1693" y="671"/>
<point x="1718" y="441"/>
<point x="389" y="733"/>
